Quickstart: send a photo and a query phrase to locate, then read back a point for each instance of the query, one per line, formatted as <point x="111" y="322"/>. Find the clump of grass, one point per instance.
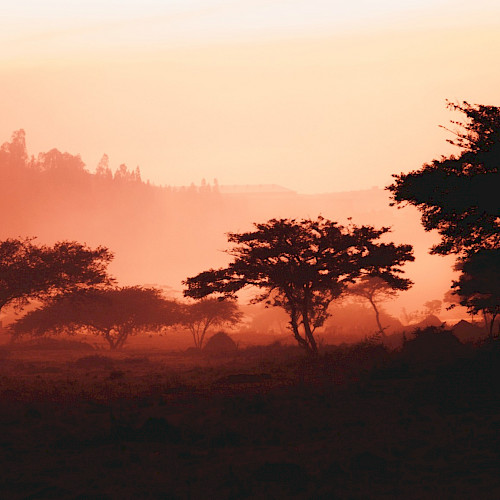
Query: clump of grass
<point x="116" y="374"/>
<point x="94" y="361"/>
<point x="134" y="360"/>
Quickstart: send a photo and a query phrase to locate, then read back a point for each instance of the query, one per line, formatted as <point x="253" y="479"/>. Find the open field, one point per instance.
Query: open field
<point x="264" y="423"/>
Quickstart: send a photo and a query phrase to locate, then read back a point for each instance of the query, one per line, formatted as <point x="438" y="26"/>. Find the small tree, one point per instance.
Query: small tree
<point x="114" y="314"/>
<point x="301" y="266"/>
<point x="29" y="271"/>
<point x="205" y="313"/>
<point x="478" y="287"/>
<point x="376" y="290"/>
<point x="433" y="307"/>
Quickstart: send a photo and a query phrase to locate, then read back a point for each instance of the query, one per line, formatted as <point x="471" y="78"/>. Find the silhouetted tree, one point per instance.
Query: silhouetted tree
<point x="301" y="266"/>
<point x="13" y="154"/>
<point x="458" y="195"/>
<point x="30" y="271"/>
<point x="102" y="170"/>
<point x="113" y="314"/>
<point x="62" y="164"/>
<point x="205" y="313"/>
<point x="478" y="287"/>
<point x="375" y="290"/>
<point x="122" y="173"/>
<point x="432" y="307"/>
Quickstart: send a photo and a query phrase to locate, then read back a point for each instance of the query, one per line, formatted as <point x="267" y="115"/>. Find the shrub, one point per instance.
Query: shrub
<point x="432" y="344"/>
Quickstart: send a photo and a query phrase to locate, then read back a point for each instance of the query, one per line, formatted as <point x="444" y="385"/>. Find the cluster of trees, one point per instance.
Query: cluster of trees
<point x="15" y="164"/>
<point x="301" y="266"/>
<point x="458" y="196"/>
<point x="76" y="294"/>
<point x="29" y="271"/>
<point x="113" y="313"/>
<point x="55" y="196"/>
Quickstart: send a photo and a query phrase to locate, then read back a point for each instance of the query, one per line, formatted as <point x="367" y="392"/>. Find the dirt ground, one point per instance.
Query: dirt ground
<point x="264" y="422"/>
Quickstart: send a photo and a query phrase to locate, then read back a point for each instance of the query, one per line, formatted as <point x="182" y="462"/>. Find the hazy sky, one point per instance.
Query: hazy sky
<point x="313" y="95"/>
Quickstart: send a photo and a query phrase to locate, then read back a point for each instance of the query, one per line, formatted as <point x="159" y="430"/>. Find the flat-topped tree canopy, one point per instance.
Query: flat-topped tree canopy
<point x="112" y="313"/>
<point x="302" y="266"/>
<point x="30" y="271"/>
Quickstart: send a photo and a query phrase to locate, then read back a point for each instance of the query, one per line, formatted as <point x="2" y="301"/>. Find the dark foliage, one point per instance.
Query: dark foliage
<point x="478" y="286"/>
<point x="113" y="313"/>
<point x="433" y="344"/>
<point x="30" y="271"/>
<point x="302" y="266"/>
<point x="458" y="195"/>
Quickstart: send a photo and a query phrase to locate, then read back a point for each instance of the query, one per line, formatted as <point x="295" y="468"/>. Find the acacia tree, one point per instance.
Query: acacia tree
<point x="29" y="271"/>
<point x="376" y="290"/>
<point x="478" y="287"/>
<point x="208" y="312"/>
<point x="458" y="195"/>
<point x="113" y="313"/>
<point x="301" y="266"/>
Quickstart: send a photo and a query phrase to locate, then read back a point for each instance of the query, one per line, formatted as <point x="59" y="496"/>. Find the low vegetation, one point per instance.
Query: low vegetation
<point x="264" y="420"/>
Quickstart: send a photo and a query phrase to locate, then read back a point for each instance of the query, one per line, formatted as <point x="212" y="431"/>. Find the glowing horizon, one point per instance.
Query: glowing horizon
<point x="57" y="26"/>
<point x="308" y="95"/>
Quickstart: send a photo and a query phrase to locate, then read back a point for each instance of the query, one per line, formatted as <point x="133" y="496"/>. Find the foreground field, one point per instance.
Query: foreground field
<point x="265" y="423"/>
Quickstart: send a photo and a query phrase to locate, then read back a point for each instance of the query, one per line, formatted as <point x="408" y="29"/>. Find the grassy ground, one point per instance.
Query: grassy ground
<point x="264" y="423"/>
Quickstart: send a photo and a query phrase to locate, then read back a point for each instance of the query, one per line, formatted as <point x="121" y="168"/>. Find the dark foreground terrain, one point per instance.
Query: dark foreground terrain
<point x="265" y="423"/>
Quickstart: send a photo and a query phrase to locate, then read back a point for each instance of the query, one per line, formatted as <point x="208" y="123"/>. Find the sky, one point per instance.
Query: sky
<point x="316" y="96"/>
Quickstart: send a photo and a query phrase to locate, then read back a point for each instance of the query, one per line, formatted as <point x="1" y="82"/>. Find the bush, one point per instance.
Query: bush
<point x="50" y="344"/>
<point x="432" y="344"/>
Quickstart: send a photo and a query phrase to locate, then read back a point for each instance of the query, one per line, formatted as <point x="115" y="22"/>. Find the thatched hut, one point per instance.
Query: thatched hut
<point x="220" y="344"/>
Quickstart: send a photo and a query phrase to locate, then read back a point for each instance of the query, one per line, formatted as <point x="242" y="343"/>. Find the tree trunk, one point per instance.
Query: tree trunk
<point x="195" y="333"/>
<point x="113" y="344"/>
<point x="122" y="338"/>
<point x="295" y="328"/>
<point x="492" y="322"/>
<point x="202" y="338"/>
<point x="377" y="317"/>
<point x="489" y="328"/>
<point x="311" y="342"/>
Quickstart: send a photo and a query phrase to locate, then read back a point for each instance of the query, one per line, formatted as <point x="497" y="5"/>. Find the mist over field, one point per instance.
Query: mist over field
<point x="162" y="234"/>
<point x="249" y="250"/>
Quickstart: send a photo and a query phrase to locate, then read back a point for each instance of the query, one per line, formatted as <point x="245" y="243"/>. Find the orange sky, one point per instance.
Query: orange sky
<point x="314" y="95"/>
<point x="321" y="99"/>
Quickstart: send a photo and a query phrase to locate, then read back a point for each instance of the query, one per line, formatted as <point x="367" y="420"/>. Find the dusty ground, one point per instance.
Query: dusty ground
<point x="264" y="423"/>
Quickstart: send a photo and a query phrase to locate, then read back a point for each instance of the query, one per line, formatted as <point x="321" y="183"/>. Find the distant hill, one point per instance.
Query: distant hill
<point x="255" y="189"/>
<point x="163" y="234"/>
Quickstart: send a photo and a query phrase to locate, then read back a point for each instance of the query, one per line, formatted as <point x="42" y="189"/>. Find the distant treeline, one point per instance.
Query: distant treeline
<point x="152" y="229"/>
<point x="161" y="234"/>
